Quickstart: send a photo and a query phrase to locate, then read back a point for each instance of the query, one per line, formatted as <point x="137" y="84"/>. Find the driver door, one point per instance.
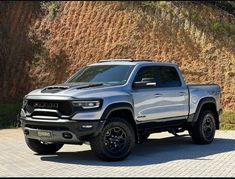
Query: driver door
<point x="159" y="101"/>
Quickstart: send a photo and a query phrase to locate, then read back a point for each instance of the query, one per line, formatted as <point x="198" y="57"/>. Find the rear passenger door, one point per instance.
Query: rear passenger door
<point x="168" y="100"/>
<point x="172" y="93"/>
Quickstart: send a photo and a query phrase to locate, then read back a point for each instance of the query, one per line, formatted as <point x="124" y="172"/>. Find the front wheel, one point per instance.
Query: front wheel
<point x="203" y="131"/>
<point x="115" y="140"/>
<point x="41" y="148"/>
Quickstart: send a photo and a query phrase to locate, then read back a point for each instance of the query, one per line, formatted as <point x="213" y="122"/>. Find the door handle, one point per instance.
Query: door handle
<point x="183" y="94"/>
<point x="158" y="95"/>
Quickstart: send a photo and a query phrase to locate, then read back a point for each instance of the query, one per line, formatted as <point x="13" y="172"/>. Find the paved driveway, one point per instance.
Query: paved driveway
<point x="162" y="156"/>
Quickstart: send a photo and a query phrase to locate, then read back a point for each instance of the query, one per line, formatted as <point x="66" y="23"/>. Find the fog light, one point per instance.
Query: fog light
<point x="67" y="135"/>
<point x="26" y="132"/>
<point x="87" y="126"/>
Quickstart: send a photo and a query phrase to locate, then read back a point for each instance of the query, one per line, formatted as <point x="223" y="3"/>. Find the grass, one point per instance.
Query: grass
<point x="227" y="121"/>
<point x="9" y="112"/>
<point x="8" y="115"/>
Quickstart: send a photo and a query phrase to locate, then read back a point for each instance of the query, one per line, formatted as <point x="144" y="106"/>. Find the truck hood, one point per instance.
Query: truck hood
<point x="78" y="90"/>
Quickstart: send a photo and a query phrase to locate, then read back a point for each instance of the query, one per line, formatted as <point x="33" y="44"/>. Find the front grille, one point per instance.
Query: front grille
<point x="63" y="107"/>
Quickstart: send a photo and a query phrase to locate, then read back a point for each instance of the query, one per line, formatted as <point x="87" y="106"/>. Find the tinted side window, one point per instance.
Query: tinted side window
<point x="168" y="77"/>
<point x="146" y="72"/>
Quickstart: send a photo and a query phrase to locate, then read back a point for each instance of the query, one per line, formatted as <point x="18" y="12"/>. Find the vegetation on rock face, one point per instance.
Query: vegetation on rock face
<point x="51" y="8"/>
<point x="39" y="40"/>
<point x="227" y="6"/>
<point x="8" y="115"/>
<point x="191" y="11"/>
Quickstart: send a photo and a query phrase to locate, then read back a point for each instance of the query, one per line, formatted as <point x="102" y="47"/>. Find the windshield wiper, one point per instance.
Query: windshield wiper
<point x="90" y="85"/>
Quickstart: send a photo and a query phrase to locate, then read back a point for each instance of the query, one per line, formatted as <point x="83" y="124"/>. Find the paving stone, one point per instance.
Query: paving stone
<point x="163" y="155"/>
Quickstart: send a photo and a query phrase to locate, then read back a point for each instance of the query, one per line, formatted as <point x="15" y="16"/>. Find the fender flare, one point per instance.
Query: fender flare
<point x="117" y="106"/>
<point x="121" y="106"/>
<point x="203" y="101"/>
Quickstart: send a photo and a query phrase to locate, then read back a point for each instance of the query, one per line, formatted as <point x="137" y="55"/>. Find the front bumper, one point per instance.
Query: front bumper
<point x="61" y="130"/>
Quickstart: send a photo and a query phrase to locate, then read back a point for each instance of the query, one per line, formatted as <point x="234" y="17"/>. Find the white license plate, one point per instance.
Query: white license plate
<point x="44" y="134"/>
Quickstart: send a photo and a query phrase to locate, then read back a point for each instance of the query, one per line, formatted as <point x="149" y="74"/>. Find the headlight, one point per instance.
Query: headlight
<point x="87" y="104"/>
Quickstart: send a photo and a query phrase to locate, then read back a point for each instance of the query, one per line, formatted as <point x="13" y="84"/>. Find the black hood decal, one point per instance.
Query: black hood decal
<point x="65" y="86"/>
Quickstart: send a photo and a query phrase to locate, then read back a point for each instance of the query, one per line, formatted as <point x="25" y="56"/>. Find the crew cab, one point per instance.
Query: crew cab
<point x="114" y="104"/>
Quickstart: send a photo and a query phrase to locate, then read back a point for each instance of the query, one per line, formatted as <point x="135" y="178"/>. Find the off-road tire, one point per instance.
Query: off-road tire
<point x="203" y="131"/>
<point x="115" y="141"/>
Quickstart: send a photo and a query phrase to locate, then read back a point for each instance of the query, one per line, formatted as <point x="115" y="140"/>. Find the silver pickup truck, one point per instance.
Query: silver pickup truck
<point x="114" y="104"/>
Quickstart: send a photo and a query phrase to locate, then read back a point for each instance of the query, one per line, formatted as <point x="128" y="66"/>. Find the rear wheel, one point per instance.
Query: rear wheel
<point x="203" y="131"/>
<point x="115" y="141"/>
<point x="41" y="148"/>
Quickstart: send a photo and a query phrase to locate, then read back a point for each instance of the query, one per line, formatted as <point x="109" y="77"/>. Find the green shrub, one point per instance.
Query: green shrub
<point x="8" y="115"/>
<point x="230" y="28"/>
<point x="163" y="4"/>
<point x="228" y="121"/>
<point x="51" y="8"/>
<point x="217" y="27"/>
<point x="148" y="4"/>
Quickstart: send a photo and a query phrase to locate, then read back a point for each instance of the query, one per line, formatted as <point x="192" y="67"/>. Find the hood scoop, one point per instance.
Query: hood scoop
<point x="54" y="89"/>
<point x="58" y="88"/>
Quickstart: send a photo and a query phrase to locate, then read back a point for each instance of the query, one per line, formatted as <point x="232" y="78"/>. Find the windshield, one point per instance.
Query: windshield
<point x="112" y="74"/>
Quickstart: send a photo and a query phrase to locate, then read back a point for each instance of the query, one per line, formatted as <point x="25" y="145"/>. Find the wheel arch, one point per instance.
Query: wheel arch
<point x="122" y="109"/>
<point x="207" y="103"/>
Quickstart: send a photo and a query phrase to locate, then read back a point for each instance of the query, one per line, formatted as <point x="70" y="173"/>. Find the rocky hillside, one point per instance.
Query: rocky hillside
<point x="44" y="43"/>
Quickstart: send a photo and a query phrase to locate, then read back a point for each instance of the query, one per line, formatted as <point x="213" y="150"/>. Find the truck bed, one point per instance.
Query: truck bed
<point x="200" y="91"/>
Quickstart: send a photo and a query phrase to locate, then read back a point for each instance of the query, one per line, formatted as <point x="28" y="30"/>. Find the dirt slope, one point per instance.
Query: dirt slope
<point x="37" y="51"/>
